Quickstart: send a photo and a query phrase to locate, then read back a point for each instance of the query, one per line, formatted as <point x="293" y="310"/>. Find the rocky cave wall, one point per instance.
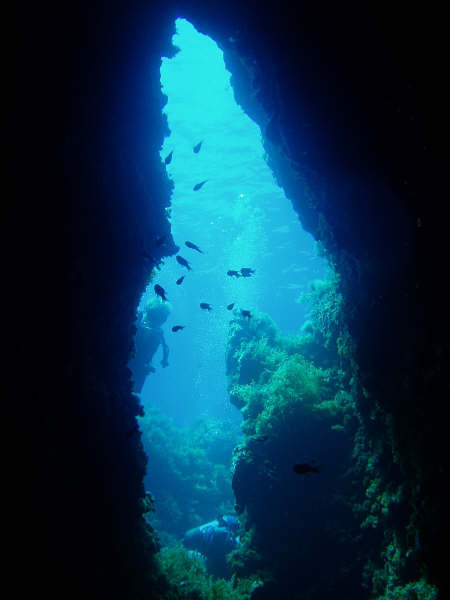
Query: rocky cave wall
<point x="350" y="100"/>
<point x="109" y="194"/>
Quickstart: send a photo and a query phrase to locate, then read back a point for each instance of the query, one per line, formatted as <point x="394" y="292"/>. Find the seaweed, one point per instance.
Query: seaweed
<point x="187" y="572"/>
<point x="189" y="471"/>
<point x="300" y="409"/>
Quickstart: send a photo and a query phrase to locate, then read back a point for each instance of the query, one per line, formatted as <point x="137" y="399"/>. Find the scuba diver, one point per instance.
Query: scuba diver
<point x="214" y="540"/>
<point x="149" y="336"/>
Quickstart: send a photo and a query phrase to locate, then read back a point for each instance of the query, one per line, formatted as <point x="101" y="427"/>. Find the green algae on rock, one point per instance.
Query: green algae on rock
<point x="298" y="408"/>
<point x="302" y="394"/>
<point x="188" y="574"/>
<point x="189" y="471"/>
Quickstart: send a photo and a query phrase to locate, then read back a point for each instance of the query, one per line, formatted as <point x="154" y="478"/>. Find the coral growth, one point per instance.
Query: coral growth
<point x="187" y="571"/>
<point x="189" y="471"/>
<point x="294" y="411"/>
<point x="303" y="396"/>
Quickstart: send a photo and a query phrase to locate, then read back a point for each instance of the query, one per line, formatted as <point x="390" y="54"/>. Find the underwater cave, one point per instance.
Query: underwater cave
<point x="258" y="413"/>
<point x="257" y="269"/>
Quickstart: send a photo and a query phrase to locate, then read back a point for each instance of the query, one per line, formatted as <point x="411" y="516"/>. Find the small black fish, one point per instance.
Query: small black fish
<point x="246" y="272"/>
<point x="193" y="246"/>
<point x="197" y="147"/>
<point x="230" y="306"/>
<point x="197" y="186"/>
<point x="233" y="274"/>
<point x="168" y="158"/>
<point x="261" y="438"/>
<point x="159" y="291"/>
<point x="180" y="280"/>
<point x="305" y="468"/>
<point x="205" y="306"/>
<point x="183" y="262"/>
<point x="177" y="327"/>
<point x="246" y="313"/>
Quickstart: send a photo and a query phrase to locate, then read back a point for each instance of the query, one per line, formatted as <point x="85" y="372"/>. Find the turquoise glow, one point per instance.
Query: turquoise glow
<point x="239" y="218"/>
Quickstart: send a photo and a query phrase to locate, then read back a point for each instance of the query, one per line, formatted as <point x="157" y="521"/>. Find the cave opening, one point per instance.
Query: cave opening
<point x="245" y="266"/>
<point x="358" y="115"/>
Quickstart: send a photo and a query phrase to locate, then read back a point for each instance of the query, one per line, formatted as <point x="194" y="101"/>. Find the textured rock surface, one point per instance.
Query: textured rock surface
<point x="351" y="103"/>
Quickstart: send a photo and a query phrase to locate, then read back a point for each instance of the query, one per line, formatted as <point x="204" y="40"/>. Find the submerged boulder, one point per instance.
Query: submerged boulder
<point x="298" y="527"/>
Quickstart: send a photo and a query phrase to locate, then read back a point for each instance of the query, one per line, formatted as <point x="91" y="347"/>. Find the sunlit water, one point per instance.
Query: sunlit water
<point x="239" y="218"/>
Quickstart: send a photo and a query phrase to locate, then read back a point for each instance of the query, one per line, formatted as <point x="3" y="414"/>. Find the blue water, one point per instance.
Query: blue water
<point x="239" y="218"/>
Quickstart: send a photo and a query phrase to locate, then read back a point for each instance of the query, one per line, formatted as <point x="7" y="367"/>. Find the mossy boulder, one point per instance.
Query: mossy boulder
<point x="294" y="412"/>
